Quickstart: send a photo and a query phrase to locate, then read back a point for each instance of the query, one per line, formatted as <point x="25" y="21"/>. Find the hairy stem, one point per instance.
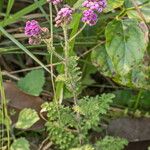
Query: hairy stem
<point x="51" y="49"/>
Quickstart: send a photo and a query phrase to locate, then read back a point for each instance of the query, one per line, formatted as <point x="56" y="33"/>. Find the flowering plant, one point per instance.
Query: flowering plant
<point x="86" y="43"/>
<point x="73" y="132"/>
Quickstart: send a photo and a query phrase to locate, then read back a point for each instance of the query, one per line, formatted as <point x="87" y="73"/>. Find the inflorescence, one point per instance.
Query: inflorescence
<point x="35" y="32"/>
<point x="64" y="17"/>
<point x="93" y="6"/>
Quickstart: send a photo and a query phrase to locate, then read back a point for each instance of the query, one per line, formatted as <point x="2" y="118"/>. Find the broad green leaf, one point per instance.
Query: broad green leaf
<point x="33" y="82"/>
<point x="144" y="6"/>
<point x="113" y="4"/>
<point x="20" y="144"/>
<point x="27" y="118"/>
<point x="102" y="61"/>
<point x="125" y="44"/>
<point x="136" y="77"/>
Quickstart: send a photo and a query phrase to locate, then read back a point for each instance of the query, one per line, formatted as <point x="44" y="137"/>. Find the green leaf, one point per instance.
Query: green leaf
<point x="144" y="7"/>
<point x="9" y="7"/>
<point x="27" y="117"/>
<point x="33" y="82"/>
<point x="111" y="143"/>
<point x="74" y="25"/>
<point x="102" y="61"/>
<point x="113" y="4"/>
<point x="137" y="77"/>
<point x="125" y="44"/>
<point x="92" y="108"/>
<point x="20" y="144"/>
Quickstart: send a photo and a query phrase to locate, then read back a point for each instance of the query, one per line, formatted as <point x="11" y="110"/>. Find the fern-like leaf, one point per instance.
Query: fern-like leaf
<point x="91" y="108"/>
<point x="111" y="143"/>
<point x="73" y="75"/>
<point x="60" y="122"/>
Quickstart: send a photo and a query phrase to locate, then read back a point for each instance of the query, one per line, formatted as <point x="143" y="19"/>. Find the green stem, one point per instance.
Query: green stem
<point x="5" y="115"/>
<point x="51" y="50"/>
<point x="66" y="51"/>
<point x="125" y="10"/>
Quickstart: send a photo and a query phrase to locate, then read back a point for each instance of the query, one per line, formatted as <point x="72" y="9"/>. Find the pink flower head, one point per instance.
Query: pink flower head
<point x="89" y="17"/>
<point x="32" y="28"/>
<point x="55" y="2"/>
<point x="97" y="5"/>
<point x="64" y="16"/>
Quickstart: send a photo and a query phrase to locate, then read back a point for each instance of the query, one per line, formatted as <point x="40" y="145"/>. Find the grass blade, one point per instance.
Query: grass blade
<point x="43" y="11"/>
<point x="23" y="48"/>
<point x="9" y="7"/>
<point x="1" y="5"/>
<point x="21" y="13"/>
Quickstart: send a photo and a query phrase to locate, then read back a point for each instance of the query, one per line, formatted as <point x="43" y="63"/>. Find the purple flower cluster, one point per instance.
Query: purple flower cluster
<point x="35" y="33"/>
<point x="64" y="16"/>
<point x="55" y="2"/>
<point x="89" y="15"/>
<point x="32" y="28"/>
<point x="97" y="5"/>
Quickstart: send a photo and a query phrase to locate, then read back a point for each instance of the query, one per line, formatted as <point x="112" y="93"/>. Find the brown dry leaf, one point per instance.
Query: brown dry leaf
<point x="18" y="100"/>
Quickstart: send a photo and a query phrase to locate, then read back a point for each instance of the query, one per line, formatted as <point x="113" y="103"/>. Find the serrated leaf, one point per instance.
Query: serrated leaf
<point x="27" y="117"/>
<point x="109" y="143"/>
<point x="20" y="144"/>
<point x="113" y="4"/>
<point x="33" y="82"/>
<point x="144" y="7"/>
<point x="125" y="44"/>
